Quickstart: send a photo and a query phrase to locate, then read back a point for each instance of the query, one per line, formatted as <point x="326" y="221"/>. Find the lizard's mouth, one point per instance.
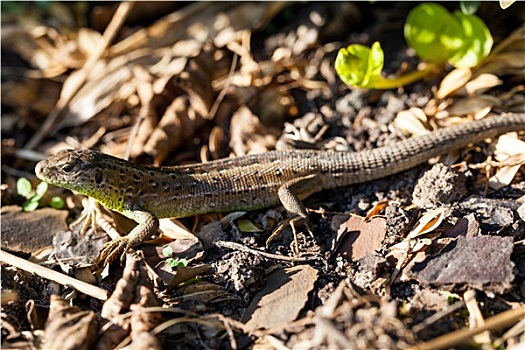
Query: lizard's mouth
<point x="40" y="169"/>
<point x="45" y="171"/>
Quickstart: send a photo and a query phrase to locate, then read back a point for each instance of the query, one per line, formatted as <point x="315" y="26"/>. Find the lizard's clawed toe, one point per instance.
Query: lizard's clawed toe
<point x="113" y="250"/>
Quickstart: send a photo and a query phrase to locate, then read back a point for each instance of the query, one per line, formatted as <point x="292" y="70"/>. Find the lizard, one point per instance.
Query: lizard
<point x="145" y="193"/>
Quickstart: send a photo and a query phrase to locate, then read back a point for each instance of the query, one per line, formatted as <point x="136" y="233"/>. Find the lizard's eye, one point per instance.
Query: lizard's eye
<point x="67" y="168"/>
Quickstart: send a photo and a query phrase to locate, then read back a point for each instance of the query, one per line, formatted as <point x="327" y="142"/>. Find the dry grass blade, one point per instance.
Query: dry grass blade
<point x="463" y="335"/>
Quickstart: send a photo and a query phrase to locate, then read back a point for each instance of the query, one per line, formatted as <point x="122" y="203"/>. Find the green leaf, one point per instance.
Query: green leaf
<point x="23" y="187"/>
<point x="41" y="189"/>
<point x="30" y="205"/>
<point x="358" y="65"/>
<point x="177" y="262"/>
<point x="246" y="225"/>
<point x="477" y="41"/>
<point x="433" y="32"/>
<point x="451" y="298"/>
<point x="167" y="251"/>
<point x="57" y="203"/>
<point x="376" y="60"/>
<point x="469" y="7"/>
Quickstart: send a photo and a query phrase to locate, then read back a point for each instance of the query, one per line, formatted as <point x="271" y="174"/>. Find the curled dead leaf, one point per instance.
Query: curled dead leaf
<point x="482" y="83"/>
<point x="473" y="105"/>
<point x="413" y="121"/>
<point x="377" y="209"/>
<point x="427" y="223"/>
<point x="511" y="151"/>
<point x="68" y="327"/>
<point x="453" y="81"/>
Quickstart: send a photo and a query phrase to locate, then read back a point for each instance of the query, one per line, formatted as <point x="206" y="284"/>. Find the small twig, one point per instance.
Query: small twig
<point x="515" y="331"/>
<point x="240" y="247"/>
<point x="438" y="315"/>
<point x="52" y="275"/>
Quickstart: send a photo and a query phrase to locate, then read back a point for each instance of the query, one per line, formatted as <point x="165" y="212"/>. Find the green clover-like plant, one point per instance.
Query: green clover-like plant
<point x="436" y="35"/>
<point x="167" y="251"/>
<point x="33" y="197"/>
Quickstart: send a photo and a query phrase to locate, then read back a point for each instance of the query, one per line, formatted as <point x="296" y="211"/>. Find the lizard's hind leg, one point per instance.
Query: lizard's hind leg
<point x="290" y="194"/>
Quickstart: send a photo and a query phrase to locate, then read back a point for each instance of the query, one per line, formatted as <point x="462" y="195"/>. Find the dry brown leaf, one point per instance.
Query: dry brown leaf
<point x="283" y="297"/>
<point x="359" y="237"/>
<point x="215" y="141"/>
<point x="510" y="150"/>
<point x="482" y="83"/>
<point x="43" y="47"/>
<point x="454" y="81"/>
<point x="199" y="22"/>
<point x="174" y="229"/>
<point x="133" y="292"/>
<point x="473" y="105"/>
<point x="248" y="134"/>
<point x="427" y="223"/>
<point x="175" y="123"/>
<point x="68" y="327"/>
<point x="377" y="209"/>
<point x="508" y="63"/>
<point x="202" y="293"/>
<point x="39" y="95"/>
<point x="96" y="95"/>
<point x="184" y="274"/>
<point x="413" y="246"/>
<point x="187" y="112"/>
<point x="165" y="70"/>
<point x="19" y="228"/>
<point x="413" y="121"/>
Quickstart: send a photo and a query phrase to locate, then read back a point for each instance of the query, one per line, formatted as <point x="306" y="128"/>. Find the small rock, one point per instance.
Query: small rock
<point x="481" y="262"/>
<point x="440" y="185"/>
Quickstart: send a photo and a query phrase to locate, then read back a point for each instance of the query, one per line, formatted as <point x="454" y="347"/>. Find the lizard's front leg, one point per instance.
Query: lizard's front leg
<point x="290" y="194"/>
<point x="148" y="224"/>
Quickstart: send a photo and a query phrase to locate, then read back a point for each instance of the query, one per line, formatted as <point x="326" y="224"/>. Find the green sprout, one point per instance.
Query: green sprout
<point x="358" y="65"/>
<point x="436" y="35"/>
<point x="33" y="197"/>
<point x="167" y="251"/>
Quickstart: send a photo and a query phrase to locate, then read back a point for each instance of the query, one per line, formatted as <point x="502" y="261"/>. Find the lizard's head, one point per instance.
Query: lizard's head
<point x="82" y="171"/>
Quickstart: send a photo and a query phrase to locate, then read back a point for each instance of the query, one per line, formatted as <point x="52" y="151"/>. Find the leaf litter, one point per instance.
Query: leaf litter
<point x="211" y="80"/>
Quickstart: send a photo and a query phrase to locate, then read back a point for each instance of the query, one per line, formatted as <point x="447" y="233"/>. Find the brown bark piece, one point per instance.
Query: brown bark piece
<point x="29" y="232"/>
<point x="362" y="237"/>
<point x="282" y="299"/>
